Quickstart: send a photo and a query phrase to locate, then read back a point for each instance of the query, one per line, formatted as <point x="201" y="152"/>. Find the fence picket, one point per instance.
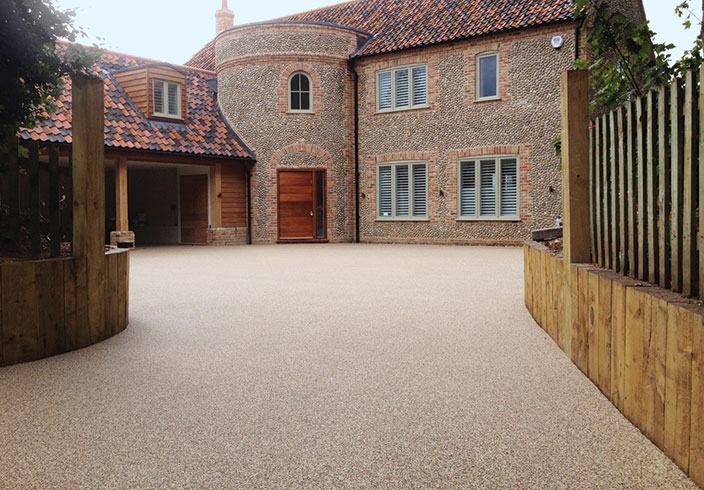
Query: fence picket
<point x="13" y="172"/>
<point x="615" y="200"/>
<point x="606" y="192"/>
<point x="34" y="217"/>
<point x="592" y="194"/>
<point x="598" y="195"/>
<point x="622" y="194"/>
<point x="641" y="188"/>
<point x="631" y="162"/>
<point x="54" y="201"/>
<point x="664" y="189"/>
<point x="689" y="244"/>
<point x="676" y="184"/>
<point x="651" y="183"/>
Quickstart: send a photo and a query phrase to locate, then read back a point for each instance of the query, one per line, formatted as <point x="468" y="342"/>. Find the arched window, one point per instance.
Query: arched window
<point x="300" y="93"/>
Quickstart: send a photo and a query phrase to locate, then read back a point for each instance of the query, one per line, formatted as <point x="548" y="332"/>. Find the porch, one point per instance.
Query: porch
<point x="155" y="199"/>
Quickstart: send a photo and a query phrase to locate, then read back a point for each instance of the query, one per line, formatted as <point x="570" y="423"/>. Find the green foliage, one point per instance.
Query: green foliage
<point x="557" y="145"/>
<point x="33" y="63"/>
<point x="625" y="61"/>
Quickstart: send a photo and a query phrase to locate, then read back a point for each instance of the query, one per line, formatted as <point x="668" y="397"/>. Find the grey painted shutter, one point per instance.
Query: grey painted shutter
<point x="385" y="90"/>
<point x="402" y="88"/>
<point x="402" y="190"/>
<point x="420" y="85"/>
<point x="420" y="191"/>
<point x="468" y="189"/>
<point x="509" y="187"/>
<point x="385" y="191"/>
<point x="159" y="97"/>
<point x="173" y="99"/>
<point x="487" y="189"/>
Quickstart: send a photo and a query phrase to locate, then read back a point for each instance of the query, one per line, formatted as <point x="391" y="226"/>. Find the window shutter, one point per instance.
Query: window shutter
<point x="401" y="88"/>
<point x="509" y="187"/>
<point x="385" y="191"/>
<point x="420" y="85"/>
<point x="158" y="97"/>
<point x="420" y="188"/>
<point x="173" y="99"/>
<point x="468" y="189"/>
<point x="402" y="190"/>
<point x="487" y="191"/>
<point x="385" y="90"/>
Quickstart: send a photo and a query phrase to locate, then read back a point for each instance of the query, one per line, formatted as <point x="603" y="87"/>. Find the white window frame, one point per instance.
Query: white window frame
<point x="497" y="162"/>
<point x="165" y="92"/>
<point x="488" y="54"/>
<point x="410" y="106"/>
<point x="288" y="91"/>
<point x="411" y="195"/>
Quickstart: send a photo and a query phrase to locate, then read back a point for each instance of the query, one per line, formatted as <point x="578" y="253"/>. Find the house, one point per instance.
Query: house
<point x="412" y="121"/>
<point x="444" y="110"/>
<point x="176" y="172"/>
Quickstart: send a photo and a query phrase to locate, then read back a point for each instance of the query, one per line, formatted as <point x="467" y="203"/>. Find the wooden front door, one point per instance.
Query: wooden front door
<point x="194" y="209"/>
<point x="301" y="205"/>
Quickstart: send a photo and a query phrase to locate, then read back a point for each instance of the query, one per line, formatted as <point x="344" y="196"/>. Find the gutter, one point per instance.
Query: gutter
<point x="350" y="67"/>
<point x="249" y="205"/>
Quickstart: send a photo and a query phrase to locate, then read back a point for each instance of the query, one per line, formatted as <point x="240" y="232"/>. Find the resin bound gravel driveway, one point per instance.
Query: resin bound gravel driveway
<point x="321" y="366"/>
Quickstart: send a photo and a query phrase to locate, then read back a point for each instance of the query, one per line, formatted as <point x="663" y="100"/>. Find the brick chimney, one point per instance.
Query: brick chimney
<point x="224" y="18"/>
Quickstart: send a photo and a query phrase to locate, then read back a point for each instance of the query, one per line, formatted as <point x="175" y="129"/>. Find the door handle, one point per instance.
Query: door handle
<point x="311" y="213"/>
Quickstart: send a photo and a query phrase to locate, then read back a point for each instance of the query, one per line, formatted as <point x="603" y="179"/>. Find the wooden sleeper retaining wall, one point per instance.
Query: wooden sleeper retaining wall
<point x="46" y="308"/>
<point x="641" y="345"/>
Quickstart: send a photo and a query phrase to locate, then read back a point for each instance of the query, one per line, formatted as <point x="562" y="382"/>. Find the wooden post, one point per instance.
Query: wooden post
<point x="575" y="166"/>
<point x="89" y="195"/>
<point x="122" y="222"/>
<point x="216" y="195"/>
<point x="575" y="188"/>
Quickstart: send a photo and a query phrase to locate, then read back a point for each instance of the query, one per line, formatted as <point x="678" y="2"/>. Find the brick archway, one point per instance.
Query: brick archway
<point x="301" y="147"/>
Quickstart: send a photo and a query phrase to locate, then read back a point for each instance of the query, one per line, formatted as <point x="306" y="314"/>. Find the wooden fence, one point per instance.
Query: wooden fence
<point x="639" y="342"/>
<point x="49" y="307"/>
<point x="35" y="202"/>
<point x="647" y="187"/>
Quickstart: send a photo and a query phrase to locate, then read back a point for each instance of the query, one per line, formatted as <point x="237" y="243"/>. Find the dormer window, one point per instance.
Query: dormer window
<point x="167" y="99"/>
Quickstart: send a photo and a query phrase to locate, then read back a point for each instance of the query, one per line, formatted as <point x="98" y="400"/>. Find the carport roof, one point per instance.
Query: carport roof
<point x="205" y="132"/>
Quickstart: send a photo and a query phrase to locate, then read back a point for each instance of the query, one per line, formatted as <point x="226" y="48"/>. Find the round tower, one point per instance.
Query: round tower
<point x="287" y="90"/>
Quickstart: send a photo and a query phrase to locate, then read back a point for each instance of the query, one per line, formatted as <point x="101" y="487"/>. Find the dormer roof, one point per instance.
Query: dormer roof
<point x="204" y="132"/>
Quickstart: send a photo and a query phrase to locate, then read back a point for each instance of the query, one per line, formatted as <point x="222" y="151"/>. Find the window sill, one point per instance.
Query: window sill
<point x="403" y="109"/>
<point x="490" y="219"/>
<point x="298" y="113"/>
<point x="402" y="220"/>
<point x="167" y="119"/>
<point x="487" y="99"/>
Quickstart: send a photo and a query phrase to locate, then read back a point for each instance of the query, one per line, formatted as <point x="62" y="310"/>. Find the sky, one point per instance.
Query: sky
<point x="174" y="30"/>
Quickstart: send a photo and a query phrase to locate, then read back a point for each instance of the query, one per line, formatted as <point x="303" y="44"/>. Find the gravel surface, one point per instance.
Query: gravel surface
<point x="321" y="366"/>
